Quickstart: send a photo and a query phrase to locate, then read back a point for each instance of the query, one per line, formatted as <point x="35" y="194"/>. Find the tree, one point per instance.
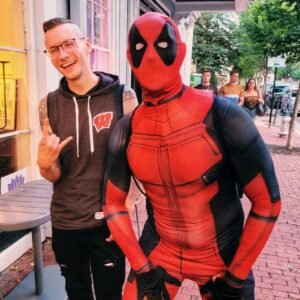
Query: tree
<point x="215" y="44"/>
<point x="290" y="71"/>
<point x="274" y="28"/>
<point x="253" y="56"/>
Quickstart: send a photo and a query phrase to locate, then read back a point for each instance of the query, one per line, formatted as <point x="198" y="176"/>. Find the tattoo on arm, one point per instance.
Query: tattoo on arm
<point x="129" y="100"/>
<point x="43" y="113"/>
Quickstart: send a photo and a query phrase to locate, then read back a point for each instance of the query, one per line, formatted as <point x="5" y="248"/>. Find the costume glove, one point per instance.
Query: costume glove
<point x="224" y="290"/>
<point x="152" y="284"/>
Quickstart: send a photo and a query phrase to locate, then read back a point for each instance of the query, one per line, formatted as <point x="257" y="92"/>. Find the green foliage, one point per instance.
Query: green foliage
<point x="273" y="26"/>
<point x="215" y="44"/>
<point x="290" y="71"/>
<point x="269" y="28"/>
<point x="252" y="56"/>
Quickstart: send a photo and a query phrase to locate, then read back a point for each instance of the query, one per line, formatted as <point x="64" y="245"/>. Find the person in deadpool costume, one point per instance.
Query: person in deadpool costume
<point x="188" y="150"/>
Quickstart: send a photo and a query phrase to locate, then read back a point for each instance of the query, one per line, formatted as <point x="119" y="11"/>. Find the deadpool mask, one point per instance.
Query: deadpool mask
<point x="155" y="53"/>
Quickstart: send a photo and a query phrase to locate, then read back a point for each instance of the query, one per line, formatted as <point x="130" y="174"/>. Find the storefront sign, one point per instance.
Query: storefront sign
<point x="276" y="62"/>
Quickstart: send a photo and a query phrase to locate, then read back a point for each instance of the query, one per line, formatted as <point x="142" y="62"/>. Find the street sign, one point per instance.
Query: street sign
<point x="276" y="62"/>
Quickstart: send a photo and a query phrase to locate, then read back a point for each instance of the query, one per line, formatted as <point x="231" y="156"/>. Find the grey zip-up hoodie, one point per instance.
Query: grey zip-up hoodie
<point x="90" y="120"/>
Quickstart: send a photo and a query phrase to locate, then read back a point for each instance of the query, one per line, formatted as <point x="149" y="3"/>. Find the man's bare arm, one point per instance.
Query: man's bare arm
<point x="49" y="147"/>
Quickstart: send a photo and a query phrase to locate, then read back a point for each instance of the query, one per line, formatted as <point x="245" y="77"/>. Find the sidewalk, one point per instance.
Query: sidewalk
<point x="277" y="270"/>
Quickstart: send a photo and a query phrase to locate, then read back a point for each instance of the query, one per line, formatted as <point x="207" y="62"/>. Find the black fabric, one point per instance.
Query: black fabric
<point x="229" y="226"/>
<point x="246" y="151"/>
<point x="150" y="237"/>
<point x="223" y="291"/>
<point x="211" y="87"/>
<point x="167" y="35"/>
<point x="82" y="253"/>
<point x="136" y="38"/>
<point x="152" y="284"/>
<point x="247" y="290"/>
<point x="117" y="155"/>
<point x="260" y="111"/>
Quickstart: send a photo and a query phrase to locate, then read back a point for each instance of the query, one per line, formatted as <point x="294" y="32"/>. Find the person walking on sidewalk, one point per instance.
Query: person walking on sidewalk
<point x="77" y="120"/>
<point x="188" y="149"/>
<point x="205" y="83"/>
<point x="232" y="90"/>
<point x="252" y="98"/>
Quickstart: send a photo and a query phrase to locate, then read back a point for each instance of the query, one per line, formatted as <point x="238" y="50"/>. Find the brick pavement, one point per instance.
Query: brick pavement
<point x="277" y="270"/>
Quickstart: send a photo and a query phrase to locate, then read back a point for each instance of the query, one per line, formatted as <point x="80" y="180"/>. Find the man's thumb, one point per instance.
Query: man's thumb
<point x="65" y="142"/>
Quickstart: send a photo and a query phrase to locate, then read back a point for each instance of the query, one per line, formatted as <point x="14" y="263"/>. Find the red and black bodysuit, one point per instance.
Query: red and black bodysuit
<point x="188" y="150"/>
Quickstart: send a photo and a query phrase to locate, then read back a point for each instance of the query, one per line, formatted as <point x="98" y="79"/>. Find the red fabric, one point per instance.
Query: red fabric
<point x="256" y="231"/>
<point x="169" y="150"/>
<point x="158" y="81"/>
<point x="114" y="195"/>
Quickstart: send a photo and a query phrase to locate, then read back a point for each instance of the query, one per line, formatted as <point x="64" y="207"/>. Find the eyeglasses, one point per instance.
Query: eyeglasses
<point x="68" y="46"/>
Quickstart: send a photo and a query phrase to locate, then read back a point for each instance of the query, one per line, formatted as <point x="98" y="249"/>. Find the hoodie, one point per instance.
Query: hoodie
<point x="90" y="119"/>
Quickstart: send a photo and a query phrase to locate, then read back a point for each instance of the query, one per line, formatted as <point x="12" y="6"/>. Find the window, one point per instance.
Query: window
<point x="14" y="149"/>
<point x="98" y="33"/>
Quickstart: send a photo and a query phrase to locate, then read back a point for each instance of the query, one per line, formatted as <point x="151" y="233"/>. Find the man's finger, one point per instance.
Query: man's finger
<point x="47" y="127"/>
<point x="46" y="130"/>
<point x="110" y="238"/>
<point x="65" y="142"/>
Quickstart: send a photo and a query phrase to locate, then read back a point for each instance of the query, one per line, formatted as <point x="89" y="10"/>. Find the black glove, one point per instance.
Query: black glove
<point x="152" y="284"/>
<point x="222" y="290"/>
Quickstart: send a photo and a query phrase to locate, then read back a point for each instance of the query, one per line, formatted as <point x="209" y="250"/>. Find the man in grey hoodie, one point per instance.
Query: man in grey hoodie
<point x="77" y="120"/>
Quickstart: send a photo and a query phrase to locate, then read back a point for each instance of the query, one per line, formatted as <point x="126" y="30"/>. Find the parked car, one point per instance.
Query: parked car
<point x="280" y="90"/>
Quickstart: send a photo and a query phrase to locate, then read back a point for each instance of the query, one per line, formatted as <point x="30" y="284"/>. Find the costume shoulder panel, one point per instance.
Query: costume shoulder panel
<point x="236" y="125"/>
<point x="118" y="140"/>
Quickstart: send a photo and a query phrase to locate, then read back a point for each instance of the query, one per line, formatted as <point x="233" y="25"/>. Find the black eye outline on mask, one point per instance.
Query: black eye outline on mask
<point x="136" y="38"/>
<point x="167" y="35"/>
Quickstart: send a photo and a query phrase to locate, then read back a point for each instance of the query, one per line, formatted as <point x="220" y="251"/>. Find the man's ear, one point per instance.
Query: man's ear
<point x="89" y="46"/>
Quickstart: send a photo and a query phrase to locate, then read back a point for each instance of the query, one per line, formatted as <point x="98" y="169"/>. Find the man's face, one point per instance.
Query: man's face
<point x="71" y="64"/>
<point x="155" y="51"/>
<point x="234" y="78"/>
<point x="206" y="76"/>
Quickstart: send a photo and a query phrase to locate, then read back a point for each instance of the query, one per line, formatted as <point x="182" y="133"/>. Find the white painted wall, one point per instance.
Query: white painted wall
<point x="41" y="78"/>
<point x="41" y="75"/>
<point x="186" y="33"/>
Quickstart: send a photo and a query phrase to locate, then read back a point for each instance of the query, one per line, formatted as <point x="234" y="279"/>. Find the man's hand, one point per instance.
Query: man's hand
<point x="49" y="147"/>
<point x="110" y="238"/>
<point x="151" y="284"/>
<point x="223" y="291"/>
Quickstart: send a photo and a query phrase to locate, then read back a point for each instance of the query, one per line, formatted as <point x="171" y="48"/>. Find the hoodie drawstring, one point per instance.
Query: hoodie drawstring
<point x="77" y="125"/>
<point x="92" y="147"/>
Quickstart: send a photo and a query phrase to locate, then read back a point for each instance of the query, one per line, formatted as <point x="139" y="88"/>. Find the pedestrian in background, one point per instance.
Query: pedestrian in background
<point x="232" y="90"/>
<point x="77" y="120"/>
<point x="253" y="100"/>
<point x="205" y="83"/>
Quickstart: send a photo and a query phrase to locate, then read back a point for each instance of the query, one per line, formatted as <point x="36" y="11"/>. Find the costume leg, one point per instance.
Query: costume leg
<point x="107" y="265"/>
<point x="74" y="264"/>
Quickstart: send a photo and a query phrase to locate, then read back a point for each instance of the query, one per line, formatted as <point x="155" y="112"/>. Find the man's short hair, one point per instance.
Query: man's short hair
<point x="234" y="71"/>
<point x="47" y="25"/>
<point x="206" y="71"/>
